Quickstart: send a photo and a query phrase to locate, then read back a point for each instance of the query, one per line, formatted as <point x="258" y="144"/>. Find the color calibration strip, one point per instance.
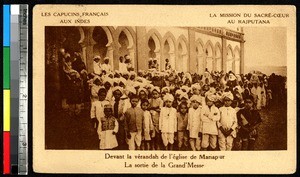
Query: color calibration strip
<point x="15" y="89"/>
<point x="6" y="90"/>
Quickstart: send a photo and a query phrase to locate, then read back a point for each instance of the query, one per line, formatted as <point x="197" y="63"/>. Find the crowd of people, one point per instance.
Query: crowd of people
<point x="168" y="110"/>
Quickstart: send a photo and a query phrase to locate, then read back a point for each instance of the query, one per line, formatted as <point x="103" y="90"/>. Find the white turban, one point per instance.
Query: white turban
<point x="186" y="88"/>
<point x="123" y="80"/>
<point x="156" y="89"/>
<point x="117" y="88"/>
<point x="211" y="97"/>
<point x="165" y="89"/>
<point x="131" y="89"/>
<point x="142" y="89"/>
<point x="184" y="95"/>
<point x="178" y="92"/>
<point x="107" y="79"/>
<point x="196" y="98"/>
<point x="232" y="77"/>
<point x="196" y="86"/>
<point x="227" y="95"/>
<point x="168" y="97"/>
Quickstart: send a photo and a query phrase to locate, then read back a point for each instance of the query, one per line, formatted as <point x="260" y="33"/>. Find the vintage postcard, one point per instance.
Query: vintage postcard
<point x="164" y="89"/>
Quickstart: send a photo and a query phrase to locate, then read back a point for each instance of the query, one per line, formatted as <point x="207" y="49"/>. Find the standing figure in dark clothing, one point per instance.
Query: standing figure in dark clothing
<point x="119" y="107"/>
<point x="167" y="65"/>
<point x="248" y="119"/>
<point x="79" y="66"/>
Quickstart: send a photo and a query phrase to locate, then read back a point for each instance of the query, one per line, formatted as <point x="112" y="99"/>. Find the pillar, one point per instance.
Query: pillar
<point x="224" y="54"/>
<point x="110" y="55"/>
<point x="88" y="44"/>
<point x="242" y="61"/>
<point x="141" y="46"/>
<point x="192" y="59"/>
<point x="158" y="57"/>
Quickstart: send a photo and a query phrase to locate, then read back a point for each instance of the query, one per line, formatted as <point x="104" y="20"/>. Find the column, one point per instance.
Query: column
<point x="159" y="60"/>
<point x="224" y="54"/>
<point x="88" y="44"/>
<point x="192" y="51"/>
<point x="172" y="59"/>
<point x="242" y="62"/>
<point x="110" y="55"/>
<point x="141" y="46"/>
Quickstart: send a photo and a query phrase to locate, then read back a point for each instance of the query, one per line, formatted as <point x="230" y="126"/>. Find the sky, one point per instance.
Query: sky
<point x="265" y="46"/>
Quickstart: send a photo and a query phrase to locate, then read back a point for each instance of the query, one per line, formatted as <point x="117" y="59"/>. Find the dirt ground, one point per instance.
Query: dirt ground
<point x="64" y="131"/>
<point x="273" y="129"/>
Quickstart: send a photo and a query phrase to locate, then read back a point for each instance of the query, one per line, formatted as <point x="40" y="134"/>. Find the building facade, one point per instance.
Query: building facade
<point x="189" y="49"/>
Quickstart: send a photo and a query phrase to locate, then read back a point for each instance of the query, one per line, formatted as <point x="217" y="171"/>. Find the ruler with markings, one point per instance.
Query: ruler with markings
<point x="23" y="92"/>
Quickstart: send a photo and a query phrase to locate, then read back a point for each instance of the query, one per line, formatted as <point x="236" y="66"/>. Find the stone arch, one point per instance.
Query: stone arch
<point x="109" y="45"/>
<point x="209" y="55"/>
<point x="237" y="63"/>
<point x="218" y="57"/>
<point x="236" y="52"/>
<point x="130" y="33"/>
<point x="170" y="40"/>
<point x="109" y="33"/>
<point x="230" y="58"/>
<point x="182" y="55"/>
<point x="200" y="55"/>
<point x="157" y="38"/>
<point x="81" y="31"/>
<point x="131" y="36"/>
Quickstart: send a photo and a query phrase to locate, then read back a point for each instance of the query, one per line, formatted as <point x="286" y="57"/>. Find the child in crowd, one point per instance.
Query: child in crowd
<point x="168" y="122"/>
<point x="97" y="107"/>
<point x="249" y="119"/>
<point x="95" y="88"/>
<point x="185" y="98"/>
<point x="210" y="116"/>
<point x="106" y="66"/>
<point x="134" y="118"/>
<point x="120" y="103"/>
<point x="194" y="123"/>
<point x="148" y="125"/>
<point x="143" y="94"/>
<point x="108" y="129"/>
<point x="227" y="123"/>
<point x="107" y="83"/>
<point x="182" y="121"/>
<point x="97" y="66"/>
<point x="155" y="105"/>
<point x="122" y="65"/>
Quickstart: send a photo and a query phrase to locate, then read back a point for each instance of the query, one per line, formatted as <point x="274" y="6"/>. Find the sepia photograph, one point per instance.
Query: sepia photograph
<point x="119" y="91"/>
<point x="165" y="88"/>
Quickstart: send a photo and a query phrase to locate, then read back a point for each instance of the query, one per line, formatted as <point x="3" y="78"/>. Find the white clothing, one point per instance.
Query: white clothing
<point x="123" y="68"/>
<point x="259" y="97"/>
<point x="148" y="125"/>
<point x="168" y="120"/>
<point x="97" y="68"/>
<point x="106" y="67"/>
<point x="209" y="140"/>
<point x="109" y="95"/>
<point x="195" y="144"/>
<point x="94" y="92"/>
<point x="107" y="139"/>
<point x="97" y="109"/>
<point x="209" y="118"/>
<point x="194" y="122"/>
<point x="228" y="119"/>
<point x="167" y="138"/>
<point x="136" y="139"/>
<point x="225" y="143"/>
